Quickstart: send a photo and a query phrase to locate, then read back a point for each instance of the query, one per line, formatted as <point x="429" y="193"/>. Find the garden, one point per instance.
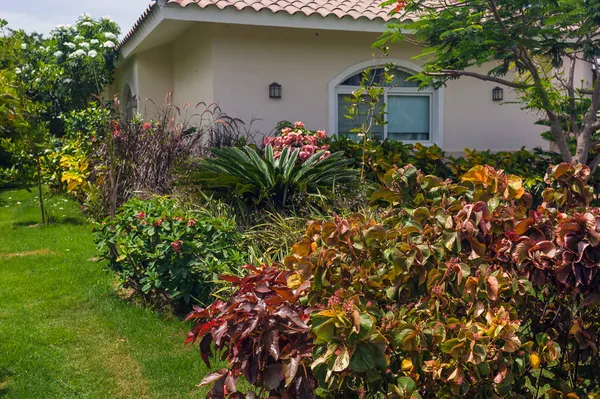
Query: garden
<point x="186" y="255"/>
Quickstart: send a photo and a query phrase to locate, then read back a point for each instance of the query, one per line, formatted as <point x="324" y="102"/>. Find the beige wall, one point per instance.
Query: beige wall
<point x="233" y="65"/>
<point x="155" y="78"/>
<point x="247" y="59"/>
<point x="193" y="68"/>
<point x="125" y="75"/>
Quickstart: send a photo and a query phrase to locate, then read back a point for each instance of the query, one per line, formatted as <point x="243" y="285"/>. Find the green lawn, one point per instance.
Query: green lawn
<point x="63" y="331"/>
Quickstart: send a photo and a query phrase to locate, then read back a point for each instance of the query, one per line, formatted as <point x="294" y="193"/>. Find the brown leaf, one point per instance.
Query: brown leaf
<point x="212" y="377"/>
<point x="290" y="368"/>
<point x="492" y="287"/>
<point x="502" y="370"/>
<point x="271" y="339"/>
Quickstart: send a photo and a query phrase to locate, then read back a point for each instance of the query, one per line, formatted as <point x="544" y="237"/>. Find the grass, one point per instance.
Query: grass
<point x="64" y="333"/>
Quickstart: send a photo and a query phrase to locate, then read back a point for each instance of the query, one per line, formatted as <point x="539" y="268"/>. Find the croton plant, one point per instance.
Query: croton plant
<point x="451" y="290"/>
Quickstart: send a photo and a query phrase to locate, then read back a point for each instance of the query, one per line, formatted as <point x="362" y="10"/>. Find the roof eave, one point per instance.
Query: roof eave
<point x="155" y="14"/>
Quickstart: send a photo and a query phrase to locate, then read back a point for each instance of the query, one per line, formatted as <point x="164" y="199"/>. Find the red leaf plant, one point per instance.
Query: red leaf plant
<point x="263" y="333"/>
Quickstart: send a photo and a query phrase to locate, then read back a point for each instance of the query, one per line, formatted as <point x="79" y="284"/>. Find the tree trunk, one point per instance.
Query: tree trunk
<point x="559" y="136"/>
<point x="40" y="194"/>
<point x="583" y="147"/>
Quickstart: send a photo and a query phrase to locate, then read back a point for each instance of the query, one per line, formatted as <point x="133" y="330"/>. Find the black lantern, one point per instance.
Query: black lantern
<point x="274" y="90"/>
<point x="498" y="94"/>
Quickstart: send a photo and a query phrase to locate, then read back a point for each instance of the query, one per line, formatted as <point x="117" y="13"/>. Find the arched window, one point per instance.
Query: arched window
<point x="412" y="115"/>
<point x="129" y="103"/>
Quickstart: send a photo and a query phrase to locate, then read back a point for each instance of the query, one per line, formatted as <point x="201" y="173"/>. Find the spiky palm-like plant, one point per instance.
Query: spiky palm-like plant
<point x="261" y="180"/>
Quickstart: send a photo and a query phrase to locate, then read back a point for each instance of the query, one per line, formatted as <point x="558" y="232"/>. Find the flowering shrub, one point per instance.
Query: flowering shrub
<point x="308" y="142"/>
<point x="64" y="70"/>
<point x="457" y="290"/>
<point x="166" y="254"/>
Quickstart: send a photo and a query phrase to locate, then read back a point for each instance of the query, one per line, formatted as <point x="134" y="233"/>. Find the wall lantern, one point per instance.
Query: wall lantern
<point x="274" y="90"/>
<point x="498" y="94"/>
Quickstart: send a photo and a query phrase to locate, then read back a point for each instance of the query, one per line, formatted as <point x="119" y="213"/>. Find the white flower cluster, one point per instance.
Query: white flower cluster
<point x="85" y="45"/>
<point x="110" y="35"/>
<point x="58" y="54"/>
<point x="93" y="53"/>
<point x="78" y="53"/>
<point x="23" y="46"/>
<point x="94" y="41"/>
<point x="109" y="44"/>
<point x="107" y="18"/>
<point x="70" y="45"/>
<point x="87" y="23"/>
<point x="78" y="37"/>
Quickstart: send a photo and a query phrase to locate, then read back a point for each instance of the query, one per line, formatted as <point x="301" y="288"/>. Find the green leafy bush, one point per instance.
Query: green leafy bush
<point x="378" y="157"/>
<point x="269" y="180"/>
<point x="456" y="290"/>
<point x="169" y="255"/>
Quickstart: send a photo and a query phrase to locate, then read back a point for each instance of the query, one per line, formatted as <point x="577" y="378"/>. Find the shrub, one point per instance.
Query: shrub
<point x="375" y="157"/>
<point x="456" y="290"/>
<point x="280" y="182"/>
<point x="263" y="333"/>
<point x="167" y="254"/>
<point x="378" y="157"/>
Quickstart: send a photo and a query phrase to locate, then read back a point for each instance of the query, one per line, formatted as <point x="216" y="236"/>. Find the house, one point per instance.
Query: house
<point x="230" y="51"/>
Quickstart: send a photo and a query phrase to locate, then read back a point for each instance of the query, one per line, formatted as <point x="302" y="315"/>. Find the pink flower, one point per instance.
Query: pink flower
<point x="146" y="126"/>
<point x="298" y="125"/>
<point x="176" y="245"/>
<point x="178" y="218"/>
<point x="322" y="134"/>
<point x="191" y="223"/>
<point x="158" y="223"/>
<point x="325" y="147"/>
<point x="268" y="140"/>
<point x="286" y="130"/>
<point x="141" y="215"/>
<point x="303" y="155"/>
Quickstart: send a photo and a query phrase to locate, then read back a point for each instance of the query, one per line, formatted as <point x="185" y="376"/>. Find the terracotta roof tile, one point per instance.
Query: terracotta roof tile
<point x="340" y="8"/>
<point x="356" y="9"/>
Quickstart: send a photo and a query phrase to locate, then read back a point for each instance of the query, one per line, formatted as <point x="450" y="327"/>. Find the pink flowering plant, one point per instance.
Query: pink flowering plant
<point x="166" y="255"/>
<point x="297" y="136"/>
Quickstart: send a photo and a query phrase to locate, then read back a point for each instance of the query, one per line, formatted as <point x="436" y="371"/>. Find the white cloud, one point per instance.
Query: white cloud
<point x="43" y="15"/>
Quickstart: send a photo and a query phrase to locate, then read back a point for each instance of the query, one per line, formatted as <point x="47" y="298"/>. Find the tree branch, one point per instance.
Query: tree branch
<point x="571" y="91"/>
<point x="456" y="73"/>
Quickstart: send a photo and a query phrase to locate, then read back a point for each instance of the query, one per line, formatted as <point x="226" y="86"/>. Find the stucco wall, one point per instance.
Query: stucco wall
<point x="247" y="59"/>
<point x="233" y="66"/>
<point x="193" y="69"/>
<point x="126" y="74"/>
<point x="155" y="78"/>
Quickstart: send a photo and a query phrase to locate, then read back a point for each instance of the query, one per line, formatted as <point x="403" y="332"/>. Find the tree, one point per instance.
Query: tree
<point x="70" y="67"/>
<point x="534" y="47"/>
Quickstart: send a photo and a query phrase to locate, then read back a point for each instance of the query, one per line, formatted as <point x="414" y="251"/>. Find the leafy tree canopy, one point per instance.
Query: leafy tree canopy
<point x="533" y="47"/>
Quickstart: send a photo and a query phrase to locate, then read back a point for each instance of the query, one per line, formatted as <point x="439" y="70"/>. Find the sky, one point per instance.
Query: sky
<point x="43" y="15"/>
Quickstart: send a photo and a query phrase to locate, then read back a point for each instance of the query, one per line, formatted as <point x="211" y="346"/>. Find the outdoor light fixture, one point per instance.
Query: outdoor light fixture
<point x="274" y="90"/>
<point x="498" y="94"/>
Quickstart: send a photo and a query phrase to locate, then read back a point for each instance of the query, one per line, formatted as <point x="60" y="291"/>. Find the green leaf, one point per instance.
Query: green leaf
<point x="362" y="359"/>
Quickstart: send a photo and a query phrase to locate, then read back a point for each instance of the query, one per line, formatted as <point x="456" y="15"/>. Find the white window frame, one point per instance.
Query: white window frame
<point x="436" y="97"/>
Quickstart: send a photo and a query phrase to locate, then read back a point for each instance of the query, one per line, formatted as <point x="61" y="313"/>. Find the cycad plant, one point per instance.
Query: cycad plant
<point x="266" y="180"/>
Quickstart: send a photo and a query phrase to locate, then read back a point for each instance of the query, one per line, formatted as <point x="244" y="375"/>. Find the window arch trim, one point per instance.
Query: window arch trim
<point x="437" y="96"/>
